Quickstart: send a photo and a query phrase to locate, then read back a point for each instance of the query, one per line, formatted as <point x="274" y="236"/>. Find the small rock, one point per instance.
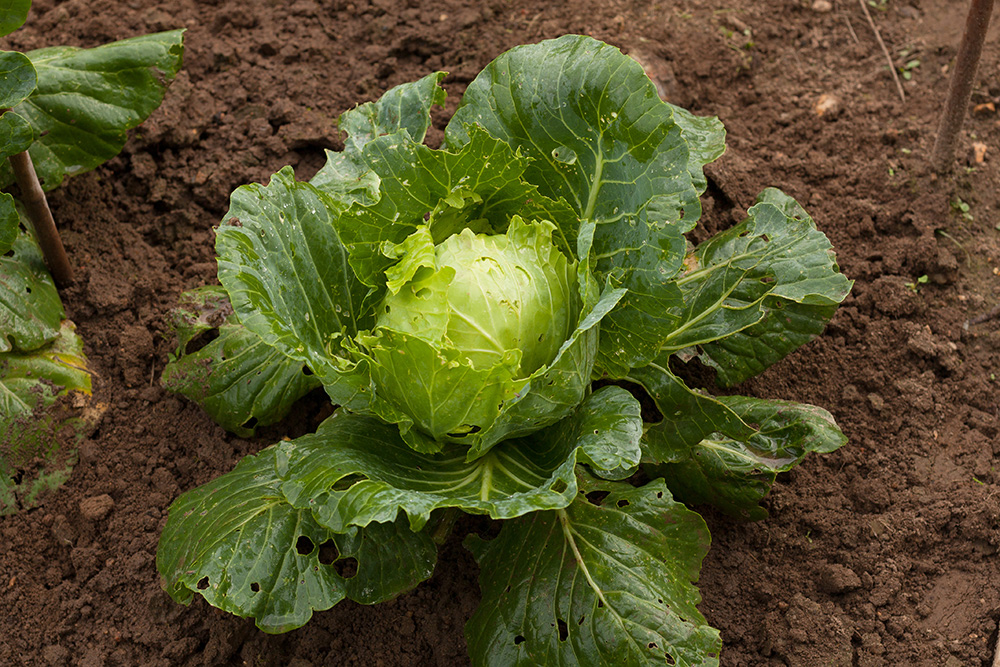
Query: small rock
<point x="97" y="507"/>
<point x="822" y="6"/>
<point x="923" y="343"/>
<point x="979" y="152"/>
<point x="163" y="481"/>
<point x="827" y="106"/>
<point x="836" y="579"/>
<point x="984" y="109"/>
<point x="735" y="24"/>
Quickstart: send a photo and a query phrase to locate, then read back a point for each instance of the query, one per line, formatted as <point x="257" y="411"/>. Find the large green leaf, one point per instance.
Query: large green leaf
<point x="727" y="450"/>
<point x="706" y="140"/>
<point x="13" y="14"/>
<point x="600" y="138"/>
<point x="240" y="381"/>
<point x="286" y="271"/>
<point x="789" y="274"/>
<point x="39" y="433"/>
<point x="595" y="584"/>
<point x="238" y="543"/>
<point x="16" y="135"/>
<point x="607" y="428"/>
<point x="87" y="99"/>
<point x="406" y="107"/>
<point x="30" y="309"/>
<point x="17" y="78"/>
<point x="356" y="469"/>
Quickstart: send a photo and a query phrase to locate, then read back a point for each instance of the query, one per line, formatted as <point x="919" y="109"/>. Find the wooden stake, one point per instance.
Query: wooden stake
<point x="33" y="198"/>
<point x="962" y="80"/>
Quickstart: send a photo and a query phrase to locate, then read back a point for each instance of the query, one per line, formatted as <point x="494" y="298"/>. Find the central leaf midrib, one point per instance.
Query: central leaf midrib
<point x="595" y="186"/>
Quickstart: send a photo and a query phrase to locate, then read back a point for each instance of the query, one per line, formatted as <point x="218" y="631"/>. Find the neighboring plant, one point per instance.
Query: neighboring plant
<point x="963" y="77"/>
<point x="457" y="305"/>
<point x="66" y="110"/>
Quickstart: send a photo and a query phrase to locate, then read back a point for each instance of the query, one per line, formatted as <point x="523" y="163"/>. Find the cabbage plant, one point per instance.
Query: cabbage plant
<point x="63" y="111"/>
<point x="484" y="316"/>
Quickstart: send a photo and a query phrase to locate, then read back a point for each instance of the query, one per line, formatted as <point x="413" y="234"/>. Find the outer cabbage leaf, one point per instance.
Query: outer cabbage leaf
<point x="87" y="99"/>
<point x="13" y="14"/>
<point x="406" y="107"/>
<point x="600" y="138"/>
<point x="706" y="140"/>
<point x="286" y="271"/>
<point x="240" y="381"/>
<point x="727" y="450"/>
<point x="39" y="433"/>
<point x="607" y="427"/>
<point x="605" y="584"/>
<point x="237" y="542"/>
<point x="355" y="470"/>
<point x="790" y="276"/>
<point x="30" y="309"/>
<point x="17" y="78"/>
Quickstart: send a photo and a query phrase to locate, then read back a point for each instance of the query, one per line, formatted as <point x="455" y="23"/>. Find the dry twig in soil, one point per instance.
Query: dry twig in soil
<point x="878" y="36"/>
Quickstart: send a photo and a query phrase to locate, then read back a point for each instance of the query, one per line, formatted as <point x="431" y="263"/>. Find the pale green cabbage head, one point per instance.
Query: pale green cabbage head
<point x="465" y="322"/>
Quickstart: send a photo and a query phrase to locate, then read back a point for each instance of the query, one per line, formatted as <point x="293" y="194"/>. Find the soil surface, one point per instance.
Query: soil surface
<point x="883" y="553"/>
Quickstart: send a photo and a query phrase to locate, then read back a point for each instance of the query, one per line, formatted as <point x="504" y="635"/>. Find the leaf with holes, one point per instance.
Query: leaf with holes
<point x="241" y="546"/>
<point x="762" y="289"/>
<point x="46" y="409"/>
<point x="356" y="470"/>
<point x="240" y="381"/>
<point x="30" y="310"/>
<point x="285" y="269"/>
<point x="407" y="107"/>
<point x="602" y="583"/>
<point x="727" y="450"/>
<point x="466" y="309"/>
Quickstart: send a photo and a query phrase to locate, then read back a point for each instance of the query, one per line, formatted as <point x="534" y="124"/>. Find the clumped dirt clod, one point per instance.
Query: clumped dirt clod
<point x="883" y="553"/>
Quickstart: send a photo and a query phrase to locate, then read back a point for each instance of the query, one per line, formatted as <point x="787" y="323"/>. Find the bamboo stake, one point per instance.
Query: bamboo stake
<point x="33" y="198"/>
<point x="962" y="80"/>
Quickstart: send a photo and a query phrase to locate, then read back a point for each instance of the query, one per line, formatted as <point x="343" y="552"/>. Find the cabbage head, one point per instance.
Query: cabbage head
<point x="466" y="322"/>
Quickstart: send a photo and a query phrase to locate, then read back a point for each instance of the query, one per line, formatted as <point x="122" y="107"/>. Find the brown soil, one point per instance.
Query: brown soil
<point x="884" y="553"/>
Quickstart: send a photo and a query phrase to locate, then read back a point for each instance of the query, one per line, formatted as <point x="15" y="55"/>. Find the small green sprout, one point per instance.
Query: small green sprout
<point x="906" y="71"/>
<point x="963" y="208"/>
<point x="915" y="286"/>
